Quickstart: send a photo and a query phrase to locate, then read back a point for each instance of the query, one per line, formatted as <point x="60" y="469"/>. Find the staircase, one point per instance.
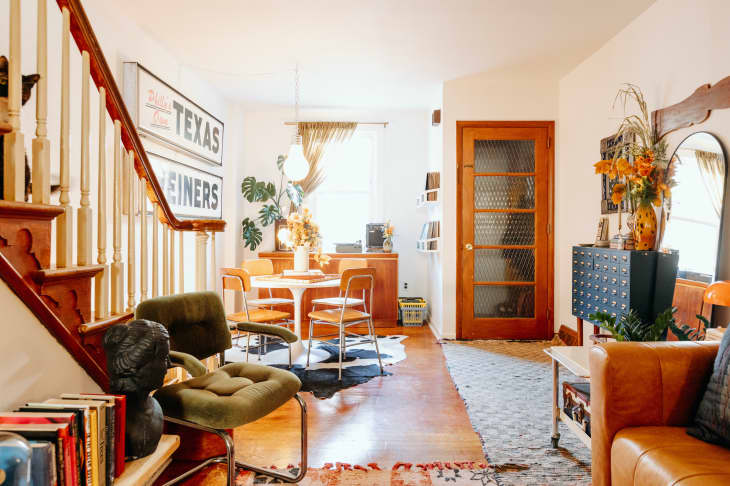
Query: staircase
<point x="78" y="299"/>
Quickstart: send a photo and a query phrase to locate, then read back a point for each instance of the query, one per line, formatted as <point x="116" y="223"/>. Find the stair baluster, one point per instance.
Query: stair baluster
<point x="165" y="260"/>
<point x="201" y="238"/>
<point x="83" y="239"/>
<point x="41" y="171"/>
<point x="131" y="196"/>
<point x="155" y="251"/>
<point x="142" y="241"/>
<point x="181" y="264"/>
<point x="117" y="274"/>
<point x="14" y="170"/>
<point x="101" y="285"/>
<point x="64" y="223"/>
<point x="171" y="255"/>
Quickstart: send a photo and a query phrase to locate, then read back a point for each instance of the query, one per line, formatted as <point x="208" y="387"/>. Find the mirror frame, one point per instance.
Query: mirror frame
<point x="724" y="196"/>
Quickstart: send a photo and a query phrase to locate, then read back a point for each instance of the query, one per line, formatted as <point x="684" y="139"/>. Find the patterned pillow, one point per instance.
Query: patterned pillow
<point x="712" y="422"/>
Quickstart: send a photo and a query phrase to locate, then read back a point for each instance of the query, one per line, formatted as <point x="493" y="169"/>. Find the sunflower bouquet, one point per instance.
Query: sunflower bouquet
<point x="302" y="231"/>
<point x="639" y="168"/>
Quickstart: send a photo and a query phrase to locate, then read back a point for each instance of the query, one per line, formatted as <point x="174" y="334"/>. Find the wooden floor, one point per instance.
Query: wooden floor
<point x="415" y="415"/>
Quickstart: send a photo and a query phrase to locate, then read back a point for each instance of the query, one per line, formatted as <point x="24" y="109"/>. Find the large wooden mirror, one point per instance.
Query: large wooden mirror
<point x="695" y="217"/>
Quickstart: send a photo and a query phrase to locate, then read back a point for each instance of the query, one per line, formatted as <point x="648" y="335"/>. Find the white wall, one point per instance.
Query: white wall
<point x="41" y="369"/>
<point x="669" y="51"/>
<point x="519" y="94"/>
<point x="401" y="174"/>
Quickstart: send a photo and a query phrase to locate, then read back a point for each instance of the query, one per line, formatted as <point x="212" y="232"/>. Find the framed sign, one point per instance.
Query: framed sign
<point x="190" y="192"/>
<point x="163" y="112"/>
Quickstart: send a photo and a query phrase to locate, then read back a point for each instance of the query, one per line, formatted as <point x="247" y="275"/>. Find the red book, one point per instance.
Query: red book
<point x="120" y="428"/>
<point x="58" y="434"/>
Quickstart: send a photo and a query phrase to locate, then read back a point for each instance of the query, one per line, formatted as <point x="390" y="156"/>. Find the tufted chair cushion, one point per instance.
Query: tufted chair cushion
<point x="233" y="395"/>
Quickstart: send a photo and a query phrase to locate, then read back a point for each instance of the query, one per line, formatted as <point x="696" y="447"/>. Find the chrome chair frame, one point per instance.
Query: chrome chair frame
<point x="245" y="309"/>
<point x="230" y="458"/>
<point x="344" y="325"/>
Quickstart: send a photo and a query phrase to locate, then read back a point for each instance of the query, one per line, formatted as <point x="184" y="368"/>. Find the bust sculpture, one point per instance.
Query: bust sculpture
<point x="138" y="355"/>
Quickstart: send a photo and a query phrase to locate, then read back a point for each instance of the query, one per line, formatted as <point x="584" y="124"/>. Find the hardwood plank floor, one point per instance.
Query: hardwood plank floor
<point x="415" y="415"/>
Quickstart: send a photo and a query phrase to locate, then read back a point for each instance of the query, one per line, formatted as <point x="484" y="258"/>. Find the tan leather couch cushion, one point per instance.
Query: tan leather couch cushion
<point x="663" y="456"/>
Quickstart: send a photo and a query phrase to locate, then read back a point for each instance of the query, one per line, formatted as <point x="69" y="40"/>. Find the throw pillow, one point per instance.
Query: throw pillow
<point x="712" y="422"/>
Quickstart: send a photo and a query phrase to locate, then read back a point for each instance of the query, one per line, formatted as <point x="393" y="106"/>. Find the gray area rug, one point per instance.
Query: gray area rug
<point x="507" y="388"/>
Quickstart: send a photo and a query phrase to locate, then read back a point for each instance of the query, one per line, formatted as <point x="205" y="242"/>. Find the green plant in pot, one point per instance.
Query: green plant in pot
<point x="274" y="200"/>
<point x="630" y="327"/>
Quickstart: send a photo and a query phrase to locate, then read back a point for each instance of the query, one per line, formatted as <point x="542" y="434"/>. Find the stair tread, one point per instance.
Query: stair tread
<point x="23" y="210"/>
<point x="105" y="323"/>
<point x="54" y="273"/>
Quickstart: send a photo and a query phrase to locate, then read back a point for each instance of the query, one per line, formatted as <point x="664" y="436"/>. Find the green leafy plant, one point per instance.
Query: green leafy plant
<point x="631" y="328"/>
<point x="256" y="191"/>
<point x="687" y="333"/>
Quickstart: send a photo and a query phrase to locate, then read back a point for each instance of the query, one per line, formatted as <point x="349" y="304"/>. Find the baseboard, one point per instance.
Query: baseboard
<point x="434" y="331"/>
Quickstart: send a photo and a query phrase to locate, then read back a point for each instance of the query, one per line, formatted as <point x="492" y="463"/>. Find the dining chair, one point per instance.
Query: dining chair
<point x="260" y="267"/>
<point x="344" y="316"/>
<point x="239" y="280"/>
<point x="345" y="264"/>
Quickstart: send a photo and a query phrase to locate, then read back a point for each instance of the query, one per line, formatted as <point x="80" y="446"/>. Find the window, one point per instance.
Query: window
<point x="344" y="202"/>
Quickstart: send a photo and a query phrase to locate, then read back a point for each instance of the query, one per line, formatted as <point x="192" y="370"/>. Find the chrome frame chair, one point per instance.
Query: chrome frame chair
<point x="242" y="280"/>
<point x="352" y="279"/>
<point x="186" y="360"/>
<point x="345" y="264"/>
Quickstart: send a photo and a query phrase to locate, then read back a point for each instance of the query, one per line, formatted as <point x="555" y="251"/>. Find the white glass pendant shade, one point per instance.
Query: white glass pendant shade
<point x="296" y="166"/>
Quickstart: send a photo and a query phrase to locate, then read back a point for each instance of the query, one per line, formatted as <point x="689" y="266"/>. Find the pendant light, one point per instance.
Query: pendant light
<point x="296" y="166"/>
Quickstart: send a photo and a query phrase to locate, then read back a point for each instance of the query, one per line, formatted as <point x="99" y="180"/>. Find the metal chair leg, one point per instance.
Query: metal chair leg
<point x="371" y="327"/>
<point x="342" y="346"/>
<point x="229" y="458"/>
<point x="289" y="346"/>
<point x="309" y="341"/>
<point x="248" y="344"/>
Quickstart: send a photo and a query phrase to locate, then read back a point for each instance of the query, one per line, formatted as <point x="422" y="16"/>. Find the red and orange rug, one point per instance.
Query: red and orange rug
<point x="401" y="474"/>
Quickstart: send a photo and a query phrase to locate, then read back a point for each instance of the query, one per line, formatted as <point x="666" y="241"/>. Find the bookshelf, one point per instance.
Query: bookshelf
<point x="144" y="471"/>
<point x="423" y="200"/>
<point x="429" y="245"/>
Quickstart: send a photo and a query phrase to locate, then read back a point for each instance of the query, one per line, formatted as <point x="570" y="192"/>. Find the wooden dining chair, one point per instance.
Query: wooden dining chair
<point x="239" y="280"/>
<point x="260" y="267"/>
<point x="344" y="264"/>
<point x="344" y="316"/>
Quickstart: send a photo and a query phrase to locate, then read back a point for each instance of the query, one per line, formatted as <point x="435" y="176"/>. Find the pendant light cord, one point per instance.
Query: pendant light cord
<point x="296" y="97"/>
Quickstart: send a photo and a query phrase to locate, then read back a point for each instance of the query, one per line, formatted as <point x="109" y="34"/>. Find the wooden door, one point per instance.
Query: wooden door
<point x="505" y="250"/>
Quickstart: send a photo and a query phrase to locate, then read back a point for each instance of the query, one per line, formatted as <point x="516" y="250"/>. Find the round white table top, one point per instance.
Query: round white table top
<point x="269" y="283"/>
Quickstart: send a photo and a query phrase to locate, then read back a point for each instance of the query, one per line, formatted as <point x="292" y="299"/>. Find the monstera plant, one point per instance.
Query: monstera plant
<point x="273" y="200"/>
<point x="630" y="327"/>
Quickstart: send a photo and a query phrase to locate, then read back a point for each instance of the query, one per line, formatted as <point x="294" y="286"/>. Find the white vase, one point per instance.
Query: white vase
<point x="301" y="259"/>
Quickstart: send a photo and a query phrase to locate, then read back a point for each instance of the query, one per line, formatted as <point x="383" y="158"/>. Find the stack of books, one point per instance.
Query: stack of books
<point x="433" y="181"/>
<point x="76" y="439"/>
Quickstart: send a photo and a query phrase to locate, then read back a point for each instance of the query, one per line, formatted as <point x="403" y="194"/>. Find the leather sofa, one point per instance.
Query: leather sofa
<point x="643" y="397"/>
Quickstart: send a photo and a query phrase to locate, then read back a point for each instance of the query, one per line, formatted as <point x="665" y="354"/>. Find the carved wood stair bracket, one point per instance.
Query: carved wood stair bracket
<point x="693" y="110"/>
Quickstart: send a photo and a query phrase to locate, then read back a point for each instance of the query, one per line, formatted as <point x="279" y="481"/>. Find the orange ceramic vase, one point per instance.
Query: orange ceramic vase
<point x="645" y="227"/>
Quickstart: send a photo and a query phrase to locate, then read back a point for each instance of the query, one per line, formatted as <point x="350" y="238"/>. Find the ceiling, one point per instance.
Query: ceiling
<point x="373" y="53"/>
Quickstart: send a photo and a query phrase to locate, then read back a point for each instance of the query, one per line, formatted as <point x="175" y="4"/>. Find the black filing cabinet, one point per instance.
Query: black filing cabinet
<point x="614" y="281"/>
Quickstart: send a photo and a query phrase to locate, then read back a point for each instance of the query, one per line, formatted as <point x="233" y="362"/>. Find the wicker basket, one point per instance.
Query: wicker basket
<point x="412" y="311"/>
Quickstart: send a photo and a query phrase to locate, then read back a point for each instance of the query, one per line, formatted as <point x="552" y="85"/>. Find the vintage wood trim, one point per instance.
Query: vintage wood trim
<point x="550" y="127"/>
<point x="288" y="255"/>
<point x="104" y="324"/>
<point x="55" y="274"/>
<point x="694" y="109"/>
<point x="86" y="40"/>
<point x="23" y="211"/>
<point x="48" y="318"/>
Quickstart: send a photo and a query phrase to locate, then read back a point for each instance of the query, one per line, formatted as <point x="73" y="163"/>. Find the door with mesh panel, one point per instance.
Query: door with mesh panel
<point x="505" y="248"/>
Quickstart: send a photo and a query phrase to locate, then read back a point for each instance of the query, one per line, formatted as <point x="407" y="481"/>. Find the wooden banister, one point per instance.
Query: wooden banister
<point x="86" y="40"/>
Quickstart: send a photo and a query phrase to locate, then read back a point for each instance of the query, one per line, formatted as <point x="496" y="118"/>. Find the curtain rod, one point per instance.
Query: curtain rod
<point x="385" y="124"/>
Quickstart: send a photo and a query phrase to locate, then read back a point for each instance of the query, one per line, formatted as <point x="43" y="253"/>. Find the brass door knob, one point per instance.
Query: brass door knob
<point x="469" y="247"/>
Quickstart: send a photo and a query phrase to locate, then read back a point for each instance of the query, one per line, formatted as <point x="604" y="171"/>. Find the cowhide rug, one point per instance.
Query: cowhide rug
<point x="360" y="364"/>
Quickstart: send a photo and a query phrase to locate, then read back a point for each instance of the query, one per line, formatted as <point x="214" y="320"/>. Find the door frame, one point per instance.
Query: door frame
<point x="550" y="127"/>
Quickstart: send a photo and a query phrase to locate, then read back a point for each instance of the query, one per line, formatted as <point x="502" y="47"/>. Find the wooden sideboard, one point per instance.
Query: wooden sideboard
<point x="385" y="298"/>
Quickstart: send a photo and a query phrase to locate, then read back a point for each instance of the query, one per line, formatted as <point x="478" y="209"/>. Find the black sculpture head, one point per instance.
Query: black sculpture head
<point x="29" y="80"/>
<point x="137" y="356"/>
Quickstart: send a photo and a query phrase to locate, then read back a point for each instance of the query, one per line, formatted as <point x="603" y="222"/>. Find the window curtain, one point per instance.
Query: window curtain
<point x="315" y="137"/>
<point x="712" y="171"/>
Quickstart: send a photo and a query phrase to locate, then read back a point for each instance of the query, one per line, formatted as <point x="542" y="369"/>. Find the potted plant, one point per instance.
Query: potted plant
<point x="388" y="230"/>
<point x="273" y="203"/>
<point x="630" y="327"/>
<point x="643" y="181"/>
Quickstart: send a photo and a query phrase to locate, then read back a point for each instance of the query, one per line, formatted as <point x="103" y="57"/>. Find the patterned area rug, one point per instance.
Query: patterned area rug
<point x="321" y="378"/>
<point x="507" y="388"/>
<point x="402" y="474"/>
